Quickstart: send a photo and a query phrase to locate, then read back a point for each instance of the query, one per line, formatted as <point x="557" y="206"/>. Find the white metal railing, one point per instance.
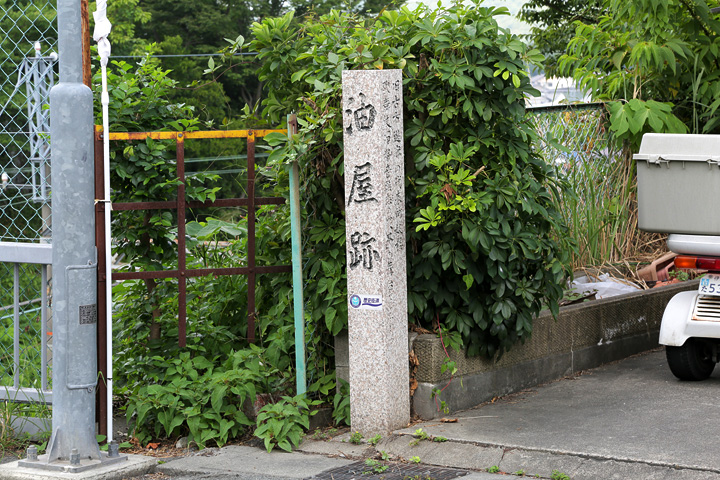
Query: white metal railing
<point x="18" y="254"/>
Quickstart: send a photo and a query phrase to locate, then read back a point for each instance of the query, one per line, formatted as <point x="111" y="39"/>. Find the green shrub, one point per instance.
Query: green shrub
<point x="199" y="390"/>
<point x="486" y="247"/>
<point x="196" y="398"/>
<point x="282" y="424"/>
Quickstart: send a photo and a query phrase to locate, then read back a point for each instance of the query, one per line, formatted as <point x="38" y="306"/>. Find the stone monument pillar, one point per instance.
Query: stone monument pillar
<point x="375" y="244"/>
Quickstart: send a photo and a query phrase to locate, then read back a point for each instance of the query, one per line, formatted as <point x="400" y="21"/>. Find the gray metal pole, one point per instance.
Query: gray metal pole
<point x="72" y="446"/>
<point x="74" y="256"/>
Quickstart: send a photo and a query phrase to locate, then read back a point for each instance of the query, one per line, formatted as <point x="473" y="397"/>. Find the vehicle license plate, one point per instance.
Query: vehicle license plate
<point x="710" y="285"/>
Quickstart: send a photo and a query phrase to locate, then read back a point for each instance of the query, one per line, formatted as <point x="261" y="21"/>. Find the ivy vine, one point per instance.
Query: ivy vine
<point x="487" y="249"/>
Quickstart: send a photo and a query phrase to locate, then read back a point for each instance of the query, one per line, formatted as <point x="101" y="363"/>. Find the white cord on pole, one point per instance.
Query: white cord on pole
<point x="102" y="30"/>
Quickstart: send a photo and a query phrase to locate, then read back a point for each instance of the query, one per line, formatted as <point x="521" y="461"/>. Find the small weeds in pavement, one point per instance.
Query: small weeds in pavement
<point x="439" y="439"/>
<point x="375" y="440"/>
<point x="493" y="469"/>
<point x="104" y="448"/>
<point x="558" y="475"/>
<point x="12" y="417"/>
<point x="356" y="438"/>
<point x="415" y="459"/>
<point x="419" y="435"/>
<point x="327" y="434"/>
<point x="520" y="473"/>
<point x="443" y="406"/>
<point x="376" y="466"/>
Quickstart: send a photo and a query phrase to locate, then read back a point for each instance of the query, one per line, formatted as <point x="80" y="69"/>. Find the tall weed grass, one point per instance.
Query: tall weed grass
<point x="600" y="204"/>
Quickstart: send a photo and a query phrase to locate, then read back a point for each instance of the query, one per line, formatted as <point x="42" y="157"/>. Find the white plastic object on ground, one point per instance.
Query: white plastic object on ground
<point x="100" y="34"/>
<point x="604" y="285"/>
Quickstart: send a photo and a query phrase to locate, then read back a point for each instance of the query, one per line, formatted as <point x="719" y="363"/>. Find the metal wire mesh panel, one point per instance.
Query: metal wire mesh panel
<point x="575" y="140"/>
<point x="571" y="134"/>
<point x="25" y="327"/>
<point x="28" y="36"/>
<point x="599" y="205"/>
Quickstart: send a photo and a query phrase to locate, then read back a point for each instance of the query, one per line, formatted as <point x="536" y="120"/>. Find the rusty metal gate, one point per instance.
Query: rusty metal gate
<point x="180" y="204"/>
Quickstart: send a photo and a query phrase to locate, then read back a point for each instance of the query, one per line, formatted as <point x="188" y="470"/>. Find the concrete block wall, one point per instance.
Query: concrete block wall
<point x="583" y="336"/>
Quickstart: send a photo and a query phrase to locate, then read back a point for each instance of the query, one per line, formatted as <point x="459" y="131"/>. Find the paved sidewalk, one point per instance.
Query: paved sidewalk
<point x="631" y="419"/>
<point x="627" y="420"/>
<point x="248" y="463"/>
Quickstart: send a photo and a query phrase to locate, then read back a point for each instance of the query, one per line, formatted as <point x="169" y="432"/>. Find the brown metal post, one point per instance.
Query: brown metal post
<point x="101" y="398"/>
<point x="251" y="236"/>
<point x="182" y="277"/>
<point x="85" y="21"/>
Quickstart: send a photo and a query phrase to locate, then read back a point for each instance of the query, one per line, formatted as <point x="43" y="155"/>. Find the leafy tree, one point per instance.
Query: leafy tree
<point x="303" y="8"/>
<point x="553" y="25"/>
<point x="660" y="58"/>
<point x="201" y="27"/>
<point x="126" y="16"/>
<point x="486" y="247"/>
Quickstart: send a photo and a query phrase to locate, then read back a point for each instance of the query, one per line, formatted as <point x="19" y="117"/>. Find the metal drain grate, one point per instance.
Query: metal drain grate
<point x="395" y="471"/>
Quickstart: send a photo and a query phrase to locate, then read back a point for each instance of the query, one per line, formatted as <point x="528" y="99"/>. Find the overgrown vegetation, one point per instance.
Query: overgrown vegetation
<point x="659" y="58"/>
<point x="487" y="247"/>
<point x="655" y="64"/>
<point x="599" y="208"/>
<point x="186" y="33"/>
<point x="199" y="391"/>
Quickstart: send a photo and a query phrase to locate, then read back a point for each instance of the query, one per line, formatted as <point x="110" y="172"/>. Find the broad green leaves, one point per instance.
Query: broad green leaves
<point x="662" y="64"/>
<point x="282" y="424"/>
<point x="480" y="221"/>
<point x="196" y="398"/>
<point x="631" y="119"/>
<point x="210" y="228"/>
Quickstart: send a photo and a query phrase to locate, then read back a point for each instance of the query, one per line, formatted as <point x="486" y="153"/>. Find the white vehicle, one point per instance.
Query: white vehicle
<point x="678" y="188"/>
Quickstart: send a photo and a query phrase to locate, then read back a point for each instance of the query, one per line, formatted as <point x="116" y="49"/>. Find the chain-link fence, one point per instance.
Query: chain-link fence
<point x="570" y="134"/>
<point x="28" y="37"/>
<point x="599" y="207"/>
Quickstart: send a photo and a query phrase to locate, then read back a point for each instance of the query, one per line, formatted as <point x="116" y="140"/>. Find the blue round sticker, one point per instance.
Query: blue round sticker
<point x="354" y="301"/>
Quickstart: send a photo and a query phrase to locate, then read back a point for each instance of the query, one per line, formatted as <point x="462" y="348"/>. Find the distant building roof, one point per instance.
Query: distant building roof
<point x="555" y="91"/>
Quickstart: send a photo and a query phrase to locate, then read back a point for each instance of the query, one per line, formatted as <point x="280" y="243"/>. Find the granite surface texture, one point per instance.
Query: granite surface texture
<point x="375" y="243"/>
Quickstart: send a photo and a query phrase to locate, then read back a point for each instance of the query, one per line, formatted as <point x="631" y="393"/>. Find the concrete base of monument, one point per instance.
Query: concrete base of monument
<point x="584" y="336"/>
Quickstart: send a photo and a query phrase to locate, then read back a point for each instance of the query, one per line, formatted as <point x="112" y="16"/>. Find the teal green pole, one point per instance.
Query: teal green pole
<point x="300" y="360"/>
